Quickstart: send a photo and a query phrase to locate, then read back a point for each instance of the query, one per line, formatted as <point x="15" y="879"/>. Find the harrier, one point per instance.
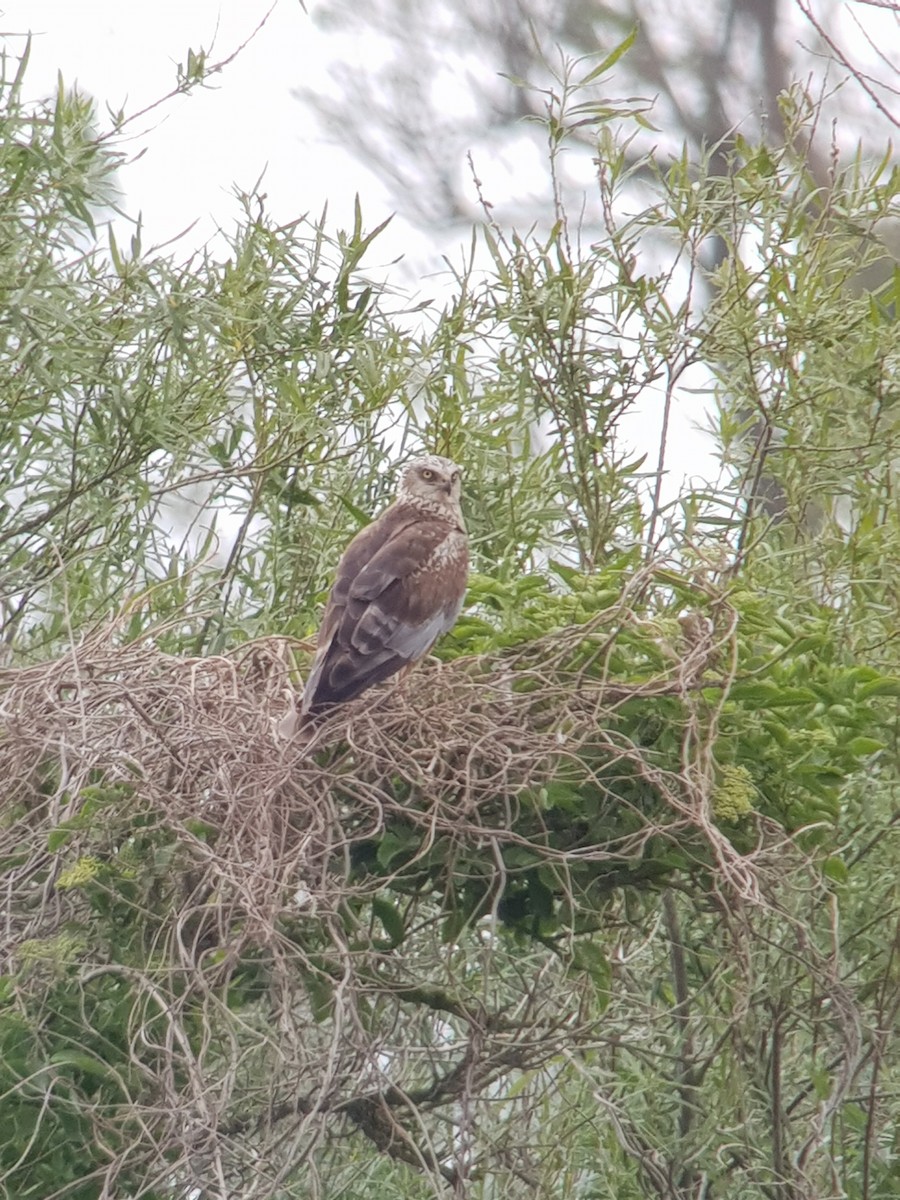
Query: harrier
<point x="399" y="587"/>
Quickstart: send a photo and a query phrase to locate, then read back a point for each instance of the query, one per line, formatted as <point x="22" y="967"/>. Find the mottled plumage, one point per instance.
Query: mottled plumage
<point x="399" y="586"/>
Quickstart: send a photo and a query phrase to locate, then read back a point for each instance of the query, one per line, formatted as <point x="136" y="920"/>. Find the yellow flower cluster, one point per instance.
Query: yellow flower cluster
<point x="734" y="793"/>
<point x="80" y="873"/>
<point x="60" y="950"/>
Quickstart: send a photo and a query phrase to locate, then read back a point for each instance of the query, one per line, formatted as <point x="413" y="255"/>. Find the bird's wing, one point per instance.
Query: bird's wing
<point x="399" y="586"/>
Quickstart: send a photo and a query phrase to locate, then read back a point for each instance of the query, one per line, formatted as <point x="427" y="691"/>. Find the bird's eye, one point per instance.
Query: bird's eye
<point x="454" y="478"/>
<point x="427" y="475"/>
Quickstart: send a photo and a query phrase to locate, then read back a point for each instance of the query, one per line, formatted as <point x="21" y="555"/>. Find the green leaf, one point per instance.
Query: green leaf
<point x="765" y="694"/>
<point x="396" y="844"/>
<point x="57" y="838"/>
<point x="201" y="829"/>
<point x="82" y="1062"/>
<point x="391" y="920"/>
<point x="567" y="574"/>
<point x="361" y="517"/>
<point x="612" y="58"/>
<point x="540" y="896"/>
<point x="863" y="747"/>
<point x="320" y="990"/>
<point x="886" y="686"/>
<point x="835" y="868"/>
<point x="589" y="957"/>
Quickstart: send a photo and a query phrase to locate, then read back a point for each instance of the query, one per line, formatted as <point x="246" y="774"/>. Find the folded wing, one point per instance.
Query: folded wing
<point x="399" y="586"/>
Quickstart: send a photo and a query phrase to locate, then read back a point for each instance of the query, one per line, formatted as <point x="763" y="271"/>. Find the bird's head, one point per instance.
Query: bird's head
<point x="431" y="482"/>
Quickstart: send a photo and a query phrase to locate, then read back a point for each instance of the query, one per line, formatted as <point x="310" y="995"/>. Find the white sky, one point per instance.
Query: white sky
<point x="197" y="147"/>
<point x="189" y="153"/>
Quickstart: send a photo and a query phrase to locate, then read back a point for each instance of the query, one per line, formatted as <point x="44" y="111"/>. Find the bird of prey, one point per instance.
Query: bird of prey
<point x="399" y="586"/>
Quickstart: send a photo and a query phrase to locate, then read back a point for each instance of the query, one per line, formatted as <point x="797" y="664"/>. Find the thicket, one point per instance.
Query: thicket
<point x="604" y="901"/>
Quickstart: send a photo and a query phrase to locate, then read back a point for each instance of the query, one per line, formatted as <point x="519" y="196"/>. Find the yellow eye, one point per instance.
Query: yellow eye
<point x="427" y="475"/>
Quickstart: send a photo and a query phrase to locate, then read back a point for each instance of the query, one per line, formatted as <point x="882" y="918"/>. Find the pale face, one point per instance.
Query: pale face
<point x="433" y="479"/>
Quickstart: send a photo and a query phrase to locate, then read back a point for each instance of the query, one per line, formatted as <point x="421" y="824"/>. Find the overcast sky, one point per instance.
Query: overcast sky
<point x="197" y="147"/>
<point x="191" y="151"/>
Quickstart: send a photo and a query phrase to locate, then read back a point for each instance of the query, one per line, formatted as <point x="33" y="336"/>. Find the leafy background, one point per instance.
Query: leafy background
<point x="604" y="901"/>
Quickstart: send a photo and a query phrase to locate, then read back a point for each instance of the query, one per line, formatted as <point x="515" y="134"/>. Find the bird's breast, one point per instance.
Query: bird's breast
<point x="452" y="551"/>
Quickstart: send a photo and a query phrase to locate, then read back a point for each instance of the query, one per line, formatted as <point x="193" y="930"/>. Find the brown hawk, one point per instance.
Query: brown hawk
<point x="399" y="586"/>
